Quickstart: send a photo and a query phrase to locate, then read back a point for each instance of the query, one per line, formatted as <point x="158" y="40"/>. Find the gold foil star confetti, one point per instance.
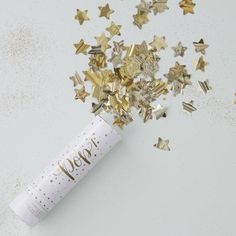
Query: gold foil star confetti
<point x="105" y="11"/>
<point x="159" y="112"/>
<point x="178" y="78"/>
<point x="201" y="64"/>
<point x="81" y="16"/>
<point x="114" y="29"/>
<point x="189" y="107"/>
<point x="76" y="79"/>
<point x="81" y="47"/>
<point x="124" y="78"/>
<point x="140" y="18"/>
<point x="116" y="60"/>
<point x="187" y="6"/>
<point x="159" y="6"/>
<point x="119" y="122"/>
<point x="97" y="61"/>
<point x="204" y="86"/>
<point x="81" y="94"/>
<point x="158" y="43"/>
<point x="144" y="6"/>
<point x="162" y="144"/>
<point x="145" y="111"/>
<point x="179" y="50"/>
<point x="200" y="46"/>
<point x="102" y="40"/>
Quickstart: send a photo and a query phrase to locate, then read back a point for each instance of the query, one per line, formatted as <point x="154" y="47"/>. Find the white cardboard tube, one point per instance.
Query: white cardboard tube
<point x="97" y="139"/>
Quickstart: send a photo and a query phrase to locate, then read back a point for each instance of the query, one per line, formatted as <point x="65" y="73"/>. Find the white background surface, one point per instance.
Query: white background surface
<point x="136" y="189"/>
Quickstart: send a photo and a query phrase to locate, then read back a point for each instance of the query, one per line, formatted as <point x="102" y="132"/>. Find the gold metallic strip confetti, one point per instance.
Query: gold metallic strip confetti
<point x="188" y="106"/>
<point x="204" y="86"/>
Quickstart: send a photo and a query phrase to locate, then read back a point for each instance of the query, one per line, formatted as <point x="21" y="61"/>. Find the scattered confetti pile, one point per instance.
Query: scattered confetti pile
<point x="124" y="77"/>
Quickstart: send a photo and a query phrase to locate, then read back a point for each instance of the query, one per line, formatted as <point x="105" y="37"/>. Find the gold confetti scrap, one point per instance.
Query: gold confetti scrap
<point x="201" y="64"/>
<point x="187" y="6"/>
<point x="105" y="11"/>
<point x="179" y="50"/>
<point x="114" y="29"/>
<point x="81" y="16"/>
<point x="200" y="46"/>
<point x="235" y="99"/>
<point x="76" y="79"/>
<point x="204" y="86"/>
<point x="81" y="47"/>
<point x="188" y="106"/>
<point x="81" y="94"/>
<point x="159" y="6"/>
<point x="162" y="144"/>
<point x="158" y="43"/>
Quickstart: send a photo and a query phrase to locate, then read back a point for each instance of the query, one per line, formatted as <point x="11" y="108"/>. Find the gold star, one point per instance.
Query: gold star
<point x="105" y="11"/>
<point x="103" y="41"/>
<point x="159" y="6"/>
<point x="162" y="144"/>
<point x="158" y="43"/>
<point x="179" y="50"/>
<point x="81" y="47"/>
<point x="114" y="29"/>
<point x="81" y="16"/>
<point x="201" y="64"/>
<point x="140" y="19"/>
<point x="81" y="94"/>
<point x="144" y="6"/>
<point x="200" y="46"/>
<point x="76" y="79"/>
<point x="187" y="6"/>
